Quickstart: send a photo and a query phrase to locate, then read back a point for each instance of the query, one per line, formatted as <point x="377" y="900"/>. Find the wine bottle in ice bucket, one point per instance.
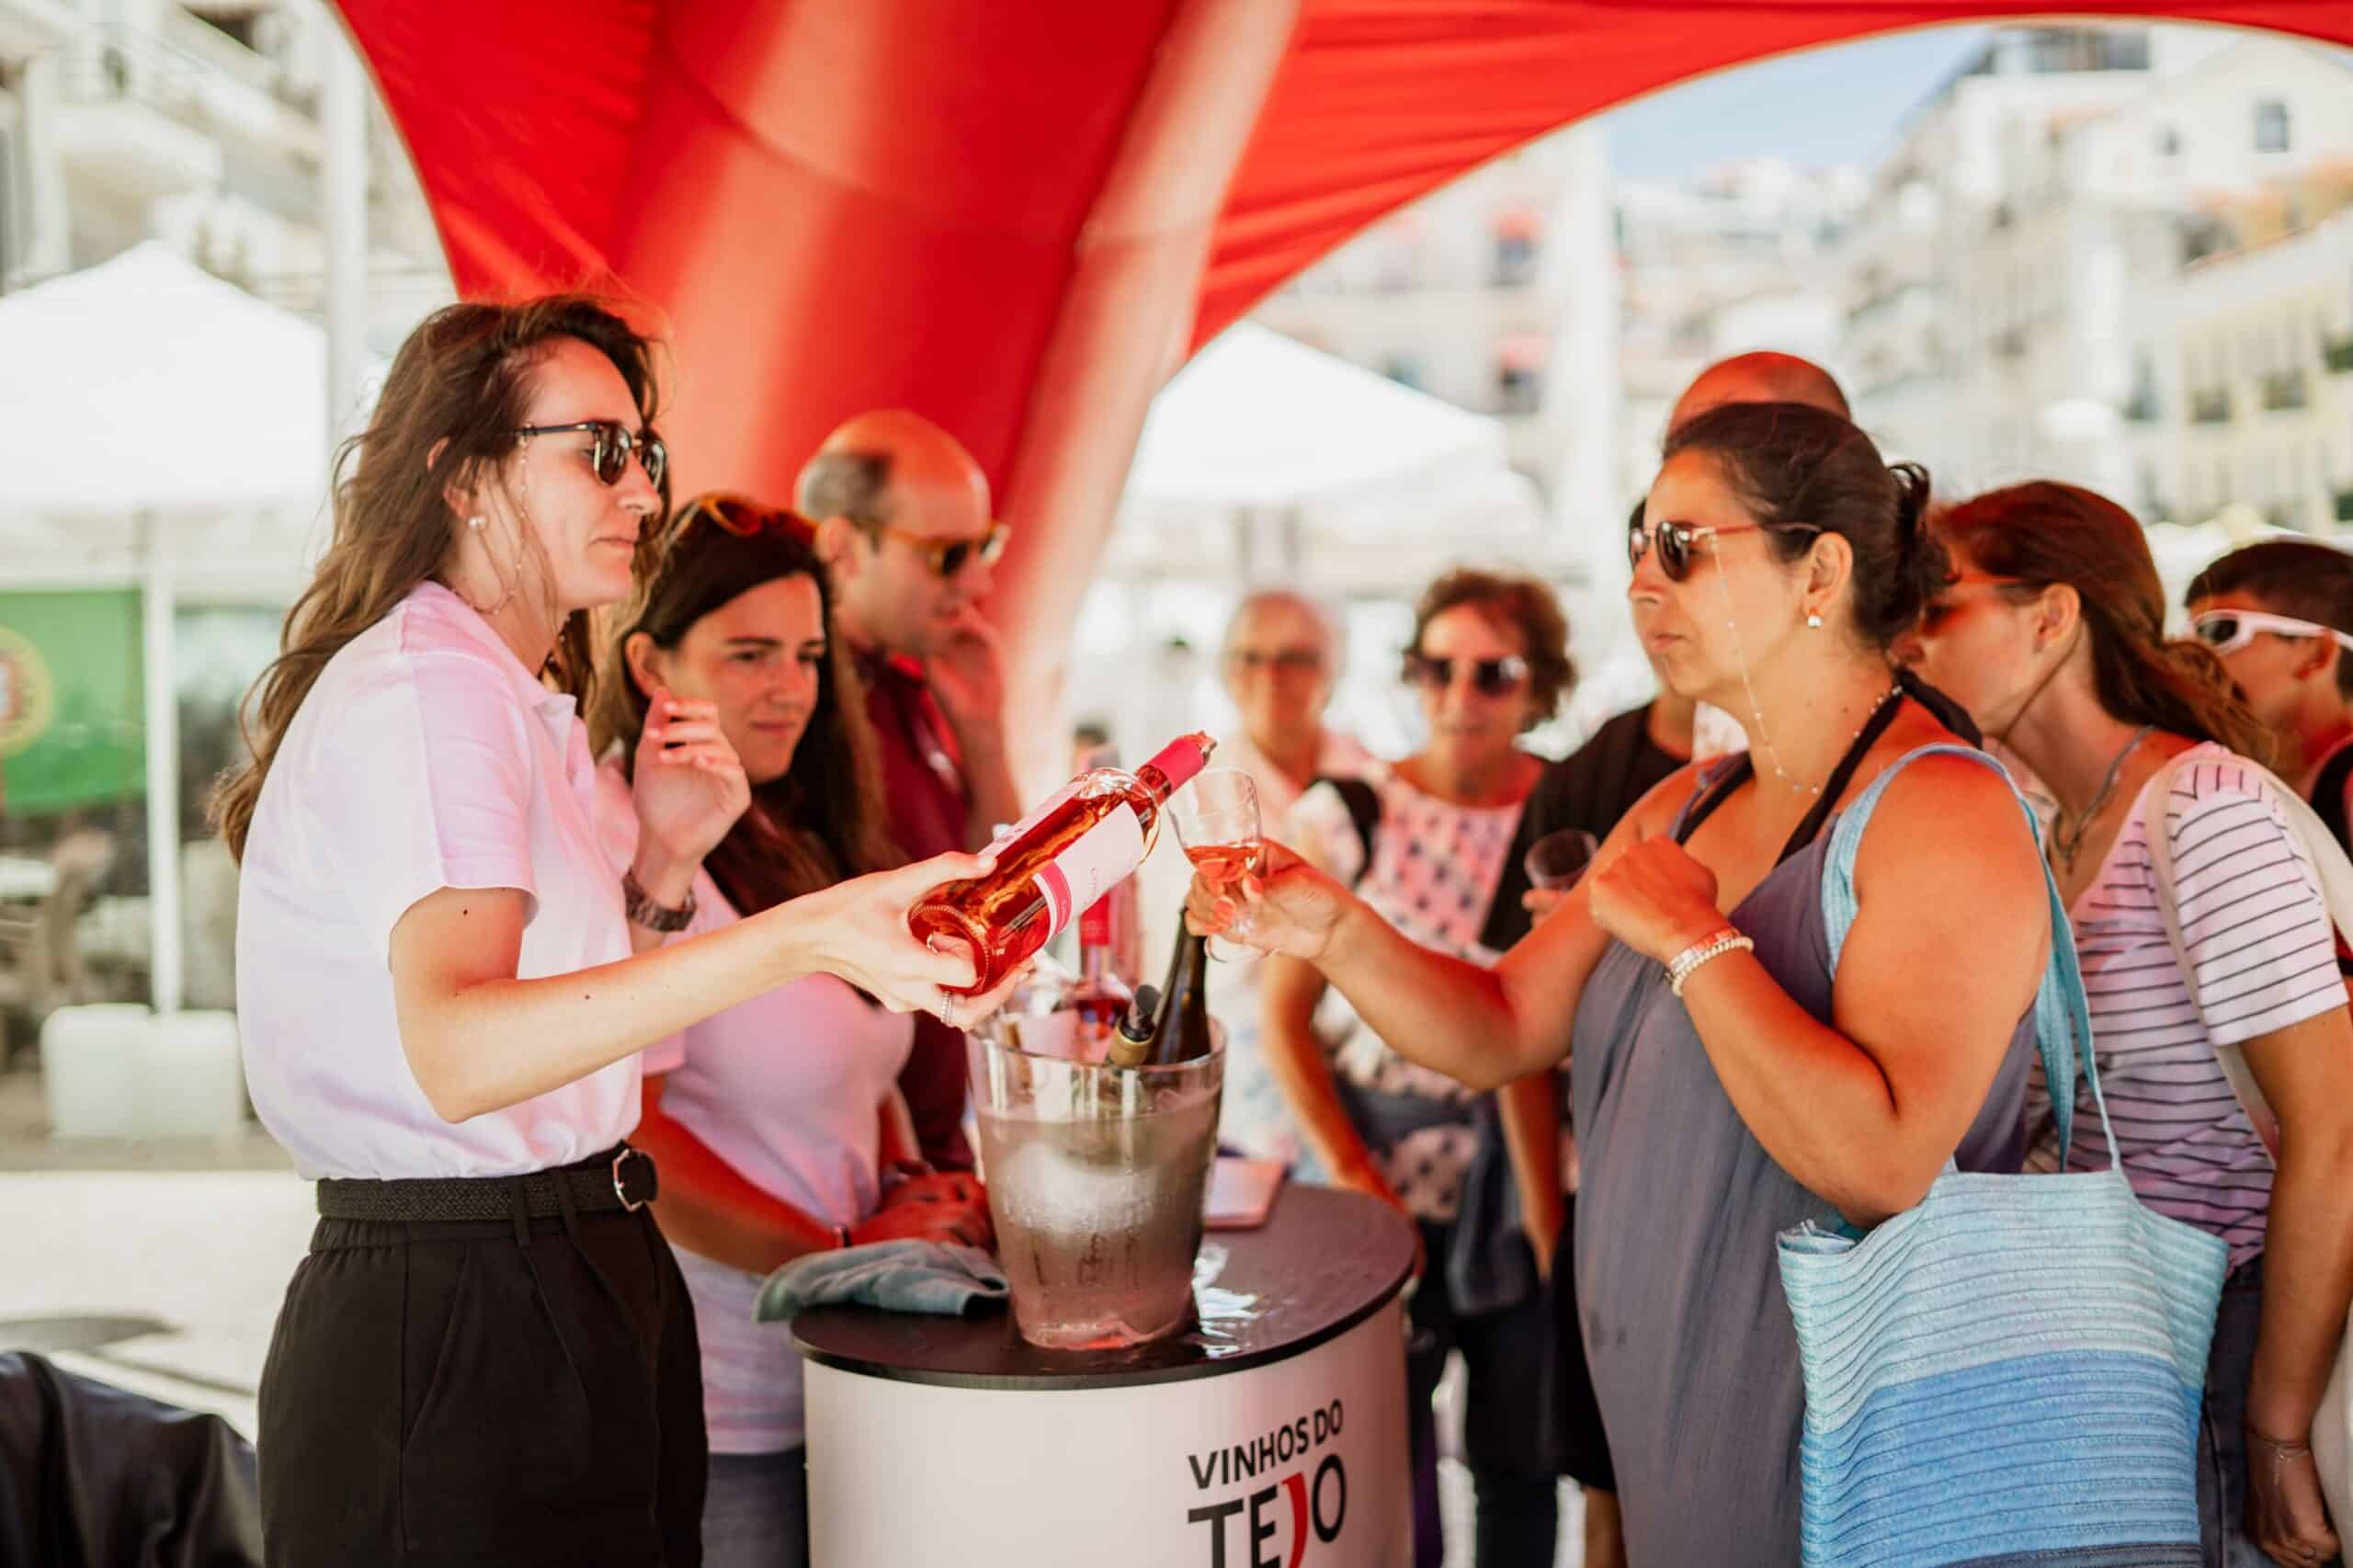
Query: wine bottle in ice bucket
<point x="1056" y="861"/>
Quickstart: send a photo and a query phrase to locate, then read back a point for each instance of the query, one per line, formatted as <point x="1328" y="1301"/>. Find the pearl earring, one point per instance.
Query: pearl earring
<point x="1813" y="622"/>
<point x="477" y="522"/>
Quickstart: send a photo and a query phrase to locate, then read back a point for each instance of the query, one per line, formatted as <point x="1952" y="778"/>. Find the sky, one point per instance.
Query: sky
<point x="1818" y="108"/>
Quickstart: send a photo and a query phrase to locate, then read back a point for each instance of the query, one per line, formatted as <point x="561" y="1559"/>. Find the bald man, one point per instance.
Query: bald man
<point x="904" y="526"/>
<point x="1762" y="377"/>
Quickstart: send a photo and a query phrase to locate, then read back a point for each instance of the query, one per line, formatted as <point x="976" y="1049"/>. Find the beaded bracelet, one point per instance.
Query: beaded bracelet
<point x="1687" y="963"/>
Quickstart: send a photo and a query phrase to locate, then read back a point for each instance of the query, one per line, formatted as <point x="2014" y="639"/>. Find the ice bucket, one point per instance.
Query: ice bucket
<point x="1095" y="1178"/>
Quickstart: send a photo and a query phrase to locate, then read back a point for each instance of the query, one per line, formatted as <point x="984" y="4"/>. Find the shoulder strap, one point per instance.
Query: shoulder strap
<point x="2061" y="1014"/>
<point x="2328" y="860"/>
<point x="1364" y="812"/>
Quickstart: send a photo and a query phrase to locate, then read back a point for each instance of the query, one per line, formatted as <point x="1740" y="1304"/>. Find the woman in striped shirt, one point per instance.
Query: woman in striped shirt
<point x="2050" y="631"/>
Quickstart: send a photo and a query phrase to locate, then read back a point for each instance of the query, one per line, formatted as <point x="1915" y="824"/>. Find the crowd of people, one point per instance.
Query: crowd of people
<point x="569" y="807"/>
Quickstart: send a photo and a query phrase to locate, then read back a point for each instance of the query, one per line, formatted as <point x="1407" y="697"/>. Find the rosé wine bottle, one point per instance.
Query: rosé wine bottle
<point x="1056" y="861"/>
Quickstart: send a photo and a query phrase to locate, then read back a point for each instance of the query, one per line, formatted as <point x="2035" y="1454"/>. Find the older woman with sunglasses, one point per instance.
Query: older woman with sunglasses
<point x="2050" y="628"/>
<point x="777" y="1122"/>
<point x="1727" y="1086"/>
<point x="486" y="1358"/>
<point x="1423" y="844"/>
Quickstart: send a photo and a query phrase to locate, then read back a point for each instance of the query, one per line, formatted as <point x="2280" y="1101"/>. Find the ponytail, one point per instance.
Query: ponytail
<point x="2044" y="533"/>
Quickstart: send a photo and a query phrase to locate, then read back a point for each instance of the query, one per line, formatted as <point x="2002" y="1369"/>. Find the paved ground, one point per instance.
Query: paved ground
<point x="159" y="1268"/>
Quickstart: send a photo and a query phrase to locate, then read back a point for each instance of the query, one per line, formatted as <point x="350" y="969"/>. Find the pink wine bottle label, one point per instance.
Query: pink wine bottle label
<point x="1091" y="866"/>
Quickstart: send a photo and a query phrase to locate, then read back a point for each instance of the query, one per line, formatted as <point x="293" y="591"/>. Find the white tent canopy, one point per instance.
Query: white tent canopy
<point x="168" y="429"/>
<point x="144" y="396"/>
<point x="1265" y="458"/>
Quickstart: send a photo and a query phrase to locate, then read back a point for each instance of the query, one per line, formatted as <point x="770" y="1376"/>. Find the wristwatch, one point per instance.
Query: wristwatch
<point x="643" y="911"/>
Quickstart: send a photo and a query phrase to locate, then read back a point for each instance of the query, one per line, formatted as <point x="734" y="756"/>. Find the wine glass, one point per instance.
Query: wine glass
<point x="1556" y="860"/>
<point x="1216" y="818"/>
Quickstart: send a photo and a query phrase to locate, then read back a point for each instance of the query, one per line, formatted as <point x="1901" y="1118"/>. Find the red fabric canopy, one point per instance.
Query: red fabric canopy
<point x="1015" y="218"/>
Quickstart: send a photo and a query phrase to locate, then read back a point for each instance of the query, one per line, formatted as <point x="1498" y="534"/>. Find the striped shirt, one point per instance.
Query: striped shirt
<point x="2254" y="922"/>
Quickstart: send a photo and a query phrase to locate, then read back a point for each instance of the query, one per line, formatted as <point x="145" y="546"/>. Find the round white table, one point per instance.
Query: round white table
<point x="1272" y="1432"/>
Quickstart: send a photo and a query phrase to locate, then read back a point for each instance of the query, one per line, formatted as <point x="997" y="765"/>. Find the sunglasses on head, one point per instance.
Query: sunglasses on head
<point x="946" y="557"/>
<point x="1675" y="542"/>
<point x="2228" y="631"/>
<point x="1489" y="677"/>
<point x="743" y="517"/>
<point x="609" y="457"/>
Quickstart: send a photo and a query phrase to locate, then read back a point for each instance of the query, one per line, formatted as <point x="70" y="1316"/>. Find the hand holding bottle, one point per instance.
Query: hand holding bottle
<point x="1288" y="907"/>
<point x="860" y="931"/>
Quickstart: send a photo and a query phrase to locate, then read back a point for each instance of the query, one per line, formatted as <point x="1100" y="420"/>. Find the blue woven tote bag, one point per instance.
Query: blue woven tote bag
<point x="2008" y="1372"/>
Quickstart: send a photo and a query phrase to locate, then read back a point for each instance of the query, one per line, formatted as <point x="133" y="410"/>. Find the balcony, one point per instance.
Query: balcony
<point x="151" y="113"/>
<point x="2211" y="406"/>
<point x="2282" y="391"/>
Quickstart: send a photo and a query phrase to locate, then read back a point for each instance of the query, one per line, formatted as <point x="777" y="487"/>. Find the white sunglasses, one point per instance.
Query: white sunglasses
<point x="2228" y="631"/>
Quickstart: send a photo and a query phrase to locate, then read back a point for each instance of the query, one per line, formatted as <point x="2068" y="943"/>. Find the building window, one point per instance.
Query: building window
<point x="2271" y="126"/>
<point x="1404" y="370"/>
<point x="2170" y="141"/>
<point x="1519" y="374"/>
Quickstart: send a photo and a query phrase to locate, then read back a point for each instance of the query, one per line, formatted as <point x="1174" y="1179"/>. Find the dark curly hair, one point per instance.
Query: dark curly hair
<point x="1522" y="603"/>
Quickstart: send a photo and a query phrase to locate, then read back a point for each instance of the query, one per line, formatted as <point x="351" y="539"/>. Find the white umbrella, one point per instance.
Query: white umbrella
<point x="157" y="414"/>
<point x="1259" y="419"/>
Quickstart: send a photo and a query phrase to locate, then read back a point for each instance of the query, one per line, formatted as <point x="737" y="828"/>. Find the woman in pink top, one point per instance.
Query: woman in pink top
<point x="777" y="1123"/>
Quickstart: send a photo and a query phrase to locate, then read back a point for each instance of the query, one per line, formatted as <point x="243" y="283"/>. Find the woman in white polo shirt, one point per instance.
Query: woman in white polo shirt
<point x="487" y="1355"/>
<point x="777" y="1122"/>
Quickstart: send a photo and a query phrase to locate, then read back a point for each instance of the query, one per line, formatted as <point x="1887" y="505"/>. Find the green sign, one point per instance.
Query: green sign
<point x="72" y="715"/>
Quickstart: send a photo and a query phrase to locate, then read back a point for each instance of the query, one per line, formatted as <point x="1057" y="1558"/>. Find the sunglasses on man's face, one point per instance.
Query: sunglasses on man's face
<point x="2228" y="631"/>
<point x="609" y="455"/>
<point x="946" y="557"/>
<point x="1489" y="677"/>
<point x="1677" y="542"/>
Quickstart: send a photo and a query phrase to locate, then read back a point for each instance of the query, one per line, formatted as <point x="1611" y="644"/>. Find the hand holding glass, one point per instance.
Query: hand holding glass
<point x="1556" y="860"/>
<point x="1217" y="822"/>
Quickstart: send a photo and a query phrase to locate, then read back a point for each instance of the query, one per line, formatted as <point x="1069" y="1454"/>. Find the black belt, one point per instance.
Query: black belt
<point x="621" y="1178"/>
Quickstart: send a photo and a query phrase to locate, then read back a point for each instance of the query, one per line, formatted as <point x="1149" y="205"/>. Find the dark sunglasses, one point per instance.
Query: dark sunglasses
<point x="743" y="517"/>
<point x="610" y="454"/>
<point x="1675" y="542"/>
<point x="945" y="557"/>
<point x="1489" y="677"/>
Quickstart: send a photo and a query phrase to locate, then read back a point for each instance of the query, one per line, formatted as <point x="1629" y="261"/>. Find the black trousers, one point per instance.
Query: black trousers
<point x="458" y="1395"/>
<point x="1507" y="1416"/>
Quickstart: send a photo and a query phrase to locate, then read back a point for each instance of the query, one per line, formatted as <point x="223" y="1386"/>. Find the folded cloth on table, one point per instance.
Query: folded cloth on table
<point x="906" y="1276"/>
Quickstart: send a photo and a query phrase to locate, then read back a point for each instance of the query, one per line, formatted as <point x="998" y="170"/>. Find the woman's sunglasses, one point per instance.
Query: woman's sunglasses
<point x="1675" y="542"/>
<point x="946" y="557"/>
<point x="1489" y="677"/>
<point x="743" y="517"/>
<point x="2228" y="631"/>
<point x="610" y="454"/>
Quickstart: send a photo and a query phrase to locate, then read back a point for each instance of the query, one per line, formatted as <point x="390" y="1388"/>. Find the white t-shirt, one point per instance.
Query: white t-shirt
<point x="2254" y="922"/>
<point x="424" y="757"/>
<point x="786" y="1088"/>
